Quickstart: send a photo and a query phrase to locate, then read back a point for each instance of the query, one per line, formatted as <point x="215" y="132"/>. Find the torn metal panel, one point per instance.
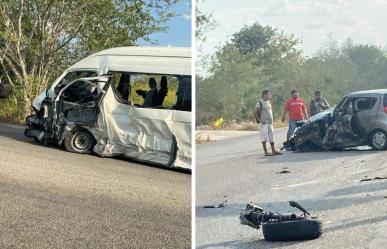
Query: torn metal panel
<point x="324" y="133"/>
<point x="182" y="131"/>
<point x="142" y="133"/>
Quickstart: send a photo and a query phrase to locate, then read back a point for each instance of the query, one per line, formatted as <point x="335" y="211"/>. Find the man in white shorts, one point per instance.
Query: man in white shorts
<point x="264" y="116"/>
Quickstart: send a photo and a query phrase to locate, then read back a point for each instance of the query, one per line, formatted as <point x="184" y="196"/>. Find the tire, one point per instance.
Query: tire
<point x="378" y="139"/>
<point x="292" y="230"/>
<point x="79" y="141"/>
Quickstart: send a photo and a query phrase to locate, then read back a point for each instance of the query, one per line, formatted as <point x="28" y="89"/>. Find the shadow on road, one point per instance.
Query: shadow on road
<point x="13" y="131"/>
<point x="249" y="244"/>
<point x="362" y="188"/>
<point x="267" y="244"/>
<point x="295" y="157"/>
<point x="16" y="132"/>
<point x="40" y="214"/>
<point x="312" y="205"/>
<point x="356" y="223"/>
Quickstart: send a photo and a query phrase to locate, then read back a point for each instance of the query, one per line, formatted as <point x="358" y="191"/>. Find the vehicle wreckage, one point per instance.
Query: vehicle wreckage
<point x="89" y="108"/>
<point x="359" y="119"/>
<point x="282" y="227"/>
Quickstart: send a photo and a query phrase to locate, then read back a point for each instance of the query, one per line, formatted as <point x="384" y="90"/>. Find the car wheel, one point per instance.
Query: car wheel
<point x="79" y="141"/>
<point x="292" y="230"/>
<point x="378" y="139"/>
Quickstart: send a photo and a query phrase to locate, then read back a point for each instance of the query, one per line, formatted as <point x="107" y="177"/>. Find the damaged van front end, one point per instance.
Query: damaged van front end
<point x="100" y="114"/>
<point x="76" y="105"/>
<point x="86" y="116"/>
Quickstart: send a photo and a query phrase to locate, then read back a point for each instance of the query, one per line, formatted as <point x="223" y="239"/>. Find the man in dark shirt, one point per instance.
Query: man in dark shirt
<point x="318" y="104"/>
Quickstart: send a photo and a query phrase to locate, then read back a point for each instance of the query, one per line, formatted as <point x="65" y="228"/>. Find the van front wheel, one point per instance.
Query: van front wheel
<point x="79" y="141"/>
<point x="378" y="139"/>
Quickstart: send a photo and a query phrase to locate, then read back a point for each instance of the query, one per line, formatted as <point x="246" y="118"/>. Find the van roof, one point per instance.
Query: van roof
<point x="157" y="60"/>
<point x="148" y="51"/>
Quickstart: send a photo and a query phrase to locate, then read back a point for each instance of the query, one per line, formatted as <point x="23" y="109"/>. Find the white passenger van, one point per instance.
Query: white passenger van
<point x="128" y="101"/>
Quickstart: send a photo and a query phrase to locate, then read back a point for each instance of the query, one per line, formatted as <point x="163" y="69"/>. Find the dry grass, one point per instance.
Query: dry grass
<point x="8" y="110"/>
<point x="241" y="126"/>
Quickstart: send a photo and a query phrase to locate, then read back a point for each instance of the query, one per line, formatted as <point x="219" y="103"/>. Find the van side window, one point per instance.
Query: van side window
<point x="146" y="90"/>
<point x="184" y="94"/>
<point x="364" y="103"/>
<point x="73" y="76"/>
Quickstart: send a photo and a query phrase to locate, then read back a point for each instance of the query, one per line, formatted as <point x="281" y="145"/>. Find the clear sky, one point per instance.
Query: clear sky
<point x="179" y="31"/>
<point x="312" y="21"/>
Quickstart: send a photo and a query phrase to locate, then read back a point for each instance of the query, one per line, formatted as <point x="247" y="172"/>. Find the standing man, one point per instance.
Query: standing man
<point x="318" y="104"/>
<point x="297" y="112"/>
<point x="264" y="116"/>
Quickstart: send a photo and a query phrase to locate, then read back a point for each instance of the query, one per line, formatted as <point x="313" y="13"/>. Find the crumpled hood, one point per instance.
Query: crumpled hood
<point x="321" y="115"/>
<point x="37" y="103"/>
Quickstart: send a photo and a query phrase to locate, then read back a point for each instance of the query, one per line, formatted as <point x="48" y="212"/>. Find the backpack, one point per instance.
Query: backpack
<point x="260" y="111"/>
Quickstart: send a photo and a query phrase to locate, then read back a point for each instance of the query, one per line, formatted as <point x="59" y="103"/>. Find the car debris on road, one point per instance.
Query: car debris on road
<point x="282" y="227"/>
<point x="221" y="205"/>
<point x="375" y="178"/>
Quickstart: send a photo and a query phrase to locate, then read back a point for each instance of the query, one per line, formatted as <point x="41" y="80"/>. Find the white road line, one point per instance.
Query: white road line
<point x="311" y="182"/>
<point x="295" y="185"/>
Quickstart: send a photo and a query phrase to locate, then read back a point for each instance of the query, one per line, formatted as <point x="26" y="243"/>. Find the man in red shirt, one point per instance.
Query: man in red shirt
<point x="295" y="106"/>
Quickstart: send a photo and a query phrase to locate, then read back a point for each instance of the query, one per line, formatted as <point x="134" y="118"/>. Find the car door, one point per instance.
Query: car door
<point x="365" y="112"/>
<point x="77" y="101"/>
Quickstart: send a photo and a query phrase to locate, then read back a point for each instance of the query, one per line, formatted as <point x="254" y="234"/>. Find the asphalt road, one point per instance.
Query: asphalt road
<point x="354" y="213"/>
<point x="50" y="198"/>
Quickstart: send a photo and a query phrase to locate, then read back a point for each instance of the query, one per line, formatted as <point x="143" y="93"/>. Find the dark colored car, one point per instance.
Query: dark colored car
<point x="359" y="119"/>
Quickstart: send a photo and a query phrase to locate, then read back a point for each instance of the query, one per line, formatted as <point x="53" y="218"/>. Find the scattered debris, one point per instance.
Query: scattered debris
<point x="284" y="172"/>
<point x="375" y="178"/>
<point x="282" y="227"/>
<point x="221" y="205"/>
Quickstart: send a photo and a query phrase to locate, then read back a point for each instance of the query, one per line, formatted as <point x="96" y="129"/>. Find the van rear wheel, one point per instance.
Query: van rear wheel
<point x="378" y="139"/>
<point x="79" y="141"/>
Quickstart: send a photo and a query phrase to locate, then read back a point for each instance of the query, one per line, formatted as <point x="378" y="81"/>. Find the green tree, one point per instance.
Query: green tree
<point x="257" y="57"/>
<point x="204" y="22"/>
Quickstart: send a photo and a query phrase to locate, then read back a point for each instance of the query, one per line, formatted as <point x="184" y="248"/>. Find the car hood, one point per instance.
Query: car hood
<point x="48" y="93"/>
<point x="38" y="100"/>
<point x="321" y="115"/>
